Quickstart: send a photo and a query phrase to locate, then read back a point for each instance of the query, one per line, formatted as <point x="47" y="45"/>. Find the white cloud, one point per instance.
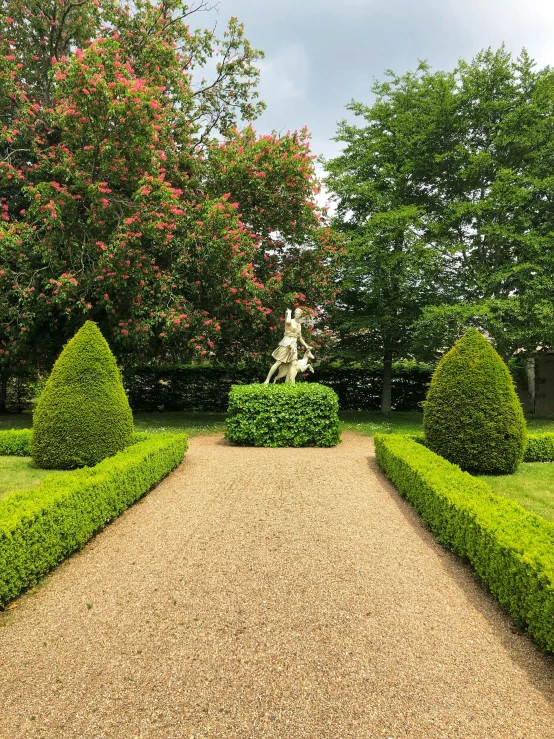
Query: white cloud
<point x="323" y="199"/>
<point x="284" y="76"/>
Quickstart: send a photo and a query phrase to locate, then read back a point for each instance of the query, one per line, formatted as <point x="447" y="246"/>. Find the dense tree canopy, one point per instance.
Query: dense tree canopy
<point x="393" y="269"/>
<point x="130" y="196"/>
<point x="445" y="195"/>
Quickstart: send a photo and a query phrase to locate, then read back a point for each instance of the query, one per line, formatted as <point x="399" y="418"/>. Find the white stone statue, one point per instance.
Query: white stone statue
<point x="291" y="369"/>
<point x="286" y="354"/>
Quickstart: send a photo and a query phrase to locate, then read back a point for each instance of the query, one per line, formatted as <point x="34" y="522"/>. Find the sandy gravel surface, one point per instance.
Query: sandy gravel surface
<point x="269" y="593"/>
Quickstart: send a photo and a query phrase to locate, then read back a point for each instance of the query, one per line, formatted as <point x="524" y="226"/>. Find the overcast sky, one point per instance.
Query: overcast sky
<point x="320" y="54"/>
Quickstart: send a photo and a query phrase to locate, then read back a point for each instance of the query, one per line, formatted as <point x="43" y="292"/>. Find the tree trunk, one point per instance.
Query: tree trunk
<point x="386" y="395"/>
<point x="3" y="391"/>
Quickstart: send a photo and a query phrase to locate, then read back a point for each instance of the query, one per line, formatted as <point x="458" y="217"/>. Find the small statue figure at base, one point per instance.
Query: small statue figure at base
<point x="287" y="351"/>
<point x="289" y="370"/>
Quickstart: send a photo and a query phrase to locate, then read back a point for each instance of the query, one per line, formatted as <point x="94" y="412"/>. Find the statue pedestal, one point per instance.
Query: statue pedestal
<point x="285" y="415"/>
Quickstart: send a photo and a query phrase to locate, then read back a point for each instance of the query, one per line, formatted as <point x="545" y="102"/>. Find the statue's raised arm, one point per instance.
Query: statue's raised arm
<point x="287" y="351"/>
<point x="301" y="340"/>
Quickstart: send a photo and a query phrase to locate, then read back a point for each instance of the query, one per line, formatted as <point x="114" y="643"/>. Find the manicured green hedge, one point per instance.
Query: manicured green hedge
<point x="15" y="443"/>
<point x="40" y="527"/>
<point x="83" y="415"/>
<point x="472" y="415"/>
<point x="511" y="550"/>
<point x="303" y="414"/>
<point x="540" y="448"/>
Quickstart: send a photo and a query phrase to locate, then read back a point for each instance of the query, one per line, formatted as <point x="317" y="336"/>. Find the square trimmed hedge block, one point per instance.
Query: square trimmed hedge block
<point x="288" y="415"/>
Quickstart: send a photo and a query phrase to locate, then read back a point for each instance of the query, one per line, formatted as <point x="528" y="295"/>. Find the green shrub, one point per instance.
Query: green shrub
<point x="304" y="414"/>
<point x="140" y="436"/>
<point x="511" y="550"/>
<point x="82" y="415"/>
<point x="41" y="527"/>
<point x="472" y="416"/>
<point x="15" y="443"/>
<point x="540" y="448"/>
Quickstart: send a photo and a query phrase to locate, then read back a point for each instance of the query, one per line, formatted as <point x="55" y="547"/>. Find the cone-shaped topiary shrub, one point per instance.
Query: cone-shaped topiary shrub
<point x="472" y="415"/>
<point x="82" y="415"/>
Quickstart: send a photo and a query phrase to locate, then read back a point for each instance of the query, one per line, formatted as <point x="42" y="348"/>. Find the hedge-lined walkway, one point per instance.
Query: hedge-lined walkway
<point x="269" y="593"/>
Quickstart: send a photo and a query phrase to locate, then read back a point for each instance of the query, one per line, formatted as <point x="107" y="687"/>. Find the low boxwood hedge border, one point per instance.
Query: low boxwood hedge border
<point x="511" y="550"/>
<point x="41" y="527"/>
<point x="17" y="442"/>
<point x="539" y="447"/>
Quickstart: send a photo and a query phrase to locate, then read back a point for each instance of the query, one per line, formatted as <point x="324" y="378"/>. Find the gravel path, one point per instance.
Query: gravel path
<point x="269" y="593"/>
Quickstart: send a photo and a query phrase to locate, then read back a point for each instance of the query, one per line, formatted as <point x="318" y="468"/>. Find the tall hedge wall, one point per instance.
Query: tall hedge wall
<point x="18" y="387"/>
<point x="207" y="388"/>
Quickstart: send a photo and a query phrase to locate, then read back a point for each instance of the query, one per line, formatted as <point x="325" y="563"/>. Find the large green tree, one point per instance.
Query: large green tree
<point x="469" y="154"/>
<point x="131" y="196"/>
<point x="495" y="212"/>
<point x="393" y="268"/>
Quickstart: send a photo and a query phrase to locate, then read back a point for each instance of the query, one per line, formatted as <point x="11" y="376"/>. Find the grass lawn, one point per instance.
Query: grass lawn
<point x="539" y="425"/>
<point x="19" y="473"/>
<point x="365" y="422"/>
<point x="532" y="486"/>
<point x="372" y="422"/>
<point x="189" y="423"/>
<point x="192" y="424"/>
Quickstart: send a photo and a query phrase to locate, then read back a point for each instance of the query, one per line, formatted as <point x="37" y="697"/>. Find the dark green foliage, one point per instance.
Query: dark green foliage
<point x="207" y="388"/>
<point x="83" y="415"/>
<point x="304" y="414"/>
<point x="41" y="527"/>
<point x="17" y="388"/>
<point x="472" y="416"/>
<point x="431" y="153"/>
<point x="15" y="443"/>
<point x="511" y="550"/>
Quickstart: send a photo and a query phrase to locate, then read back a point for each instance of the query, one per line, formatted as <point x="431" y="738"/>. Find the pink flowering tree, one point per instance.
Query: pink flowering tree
<point x="129" y="195"/>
